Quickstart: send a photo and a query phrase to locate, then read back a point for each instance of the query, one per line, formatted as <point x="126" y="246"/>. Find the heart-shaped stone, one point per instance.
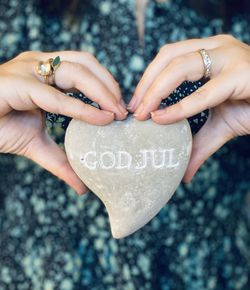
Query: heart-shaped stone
<point x="134" y="167"/>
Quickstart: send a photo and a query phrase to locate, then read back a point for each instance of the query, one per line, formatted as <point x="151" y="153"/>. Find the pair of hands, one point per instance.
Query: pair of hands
<point x="24" y="98"/>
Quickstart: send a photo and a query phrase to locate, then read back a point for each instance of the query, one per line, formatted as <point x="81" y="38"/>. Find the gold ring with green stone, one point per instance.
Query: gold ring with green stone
<point x="47" y="69"/>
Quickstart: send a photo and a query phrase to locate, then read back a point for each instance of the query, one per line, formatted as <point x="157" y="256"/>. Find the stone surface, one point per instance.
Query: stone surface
<point x="133" y="167"/>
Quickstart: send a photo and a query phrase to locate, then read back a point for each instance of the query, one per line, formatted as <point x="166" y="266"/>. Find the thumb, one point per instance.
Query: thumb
<point x="213" y="135"/>
<point x="45" y="152"/>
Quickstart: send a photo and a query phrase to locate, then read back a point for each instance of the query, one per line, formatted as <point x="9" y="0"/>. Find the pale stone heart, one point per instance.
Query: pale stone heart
<point x="134" y="167"/>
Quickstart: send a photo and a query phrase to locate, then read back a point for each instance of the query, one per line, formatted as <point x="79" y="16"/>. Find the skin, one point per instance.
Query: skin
<point x="25" y="97"/>
<point x="226" y="94"/>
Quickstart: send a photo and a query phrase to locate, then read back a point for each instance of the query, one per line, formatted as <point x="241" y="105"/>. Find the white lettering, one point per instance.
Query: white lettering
<point x="112" y="157"/>
<point x="170" y="162"/>
<point x="145" y="158"/>
<point x="124" y="160"/>
<point x="85" y="162"/>
<point x="162" y="158"/>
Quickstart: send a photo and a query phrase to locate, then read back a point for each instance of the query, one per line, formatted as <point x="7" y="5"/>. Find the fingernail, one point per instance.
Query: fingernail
<point x="122" y="109"/>
<point x="80" y="192"/>
<point x="158" y="113"/>
<point x="139" y="110"/>
<point x="81" y="188"/>
<point x="130" y="108"/>
<point x="108" y="113"/>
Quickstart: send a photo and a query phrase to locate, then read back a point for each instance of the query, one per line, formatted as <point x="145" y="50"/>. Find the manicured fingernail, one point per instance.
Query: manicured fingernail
<point x="158" y="113"/>
<point x="80" y="192"/>
<point x="130" y="108"/>
<point x="139" y="110"/>
<point x="122" y="109"/>
<point x="80" y="188"/>
<point x="108" y="113"/>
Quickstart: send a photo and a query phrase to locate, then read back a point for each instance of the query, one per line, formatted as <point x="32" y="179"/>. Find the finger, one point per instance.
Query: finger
<point x="28" y="94"/>
<point x="166" y="54"/>
<point x="84" y="58"/>
<point x="51" y="100"/>
<point x="16" y="97"/>
<point x="213" y="135"/>
<point x="89" y="61"/>
<point x="70" y="75"/>
<point x="45" y="152"/>
<point x="189" y="67"/>
<point x="210" y="95"/>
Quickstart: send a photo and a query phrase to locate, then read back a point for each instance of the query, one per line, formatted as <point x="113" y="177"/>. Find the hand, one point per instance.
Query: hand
<point x="24" y="97"/>
<point x="226" y="94"/>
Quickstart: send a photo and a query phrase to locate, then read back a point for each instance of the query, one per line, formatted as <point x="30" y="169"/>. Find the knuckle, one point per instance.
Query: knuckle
<point x="88" y="55"/>
<point x="203" y="96"/>
<point x="201" y="92"/>
<point x="24" y="54"/>
<point x="164" y="48"/>
<point x="225" y="38"/>
<point x="228" y="37"/>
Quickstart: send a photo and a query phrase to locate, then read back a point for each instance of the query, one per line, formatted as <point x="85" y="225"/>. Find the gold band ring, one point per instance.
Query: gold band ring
<point x="207" y="63"/>
<point x="47" y="69"/>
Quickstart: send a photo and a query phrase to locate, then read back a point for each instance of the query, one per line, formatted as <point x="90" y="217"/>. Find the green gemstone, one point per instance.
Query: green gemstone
<point x="56" y="61"/>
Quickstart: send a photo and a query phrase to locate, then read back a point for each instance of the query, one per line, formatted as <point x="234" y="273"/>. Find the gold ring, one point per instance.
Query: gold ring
<point x="47" y="69"/>
<point x="207" y="63"/>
